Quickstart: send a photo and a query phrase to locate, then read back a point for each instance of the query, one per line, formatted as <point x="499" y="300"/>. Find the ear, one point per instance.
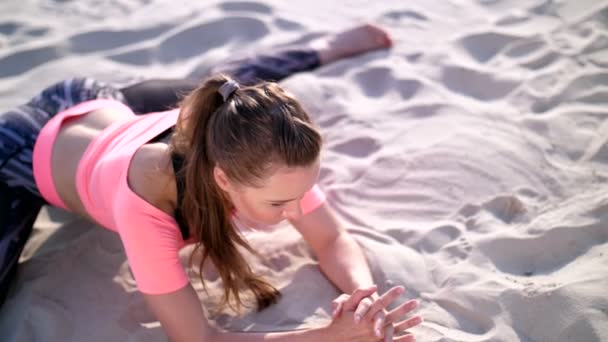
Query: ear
<point x="221" y="179"/>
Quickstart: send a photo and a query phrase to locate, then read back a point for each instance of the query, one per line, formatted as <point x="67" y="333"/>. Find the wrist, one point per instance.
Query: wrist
<point x="324" y="332"/>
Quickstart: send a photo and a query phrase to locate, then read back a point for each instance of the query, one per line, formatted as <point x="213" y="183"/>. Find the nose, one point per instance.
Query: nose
<point x="292" y="210"/>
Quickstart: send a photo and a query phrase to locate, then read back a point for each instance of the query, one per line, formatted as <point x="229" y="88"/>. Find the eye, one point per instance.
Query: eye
<point x="277" y="204"/>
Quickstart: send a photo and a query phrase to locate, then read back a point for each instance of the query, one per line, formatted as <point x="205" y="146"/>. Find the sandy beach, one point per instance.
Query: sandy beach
<point x="470" y="161"/>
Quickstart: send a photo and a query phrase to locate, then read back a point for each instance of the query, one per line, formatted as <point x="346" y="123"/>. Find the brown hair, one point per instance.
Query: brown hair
<point x="255" y="130"/>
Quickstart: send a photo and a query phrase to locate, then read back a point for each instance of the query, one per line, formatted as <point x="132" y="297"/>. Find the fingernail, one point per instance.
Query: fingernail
<point x="400" y="290"/>
<point x="357" y="318"/>
<point x="378" y="333"/>
<point x="333" y="314"/>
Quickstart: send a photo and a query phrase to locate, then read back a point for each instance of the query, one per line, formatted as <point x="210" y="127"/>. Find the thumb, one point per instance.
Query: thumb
<point x="336" y="305"/>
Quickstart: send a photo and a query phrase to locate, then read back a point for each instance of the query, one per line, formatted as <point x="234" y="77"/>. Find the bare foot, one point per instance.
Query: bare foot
<point x="352" y="42"/>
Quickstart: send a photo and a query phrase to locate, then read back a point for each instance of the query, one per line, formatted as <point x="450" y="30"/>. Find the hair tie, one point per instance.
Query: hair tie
<point x="227" y="89"/>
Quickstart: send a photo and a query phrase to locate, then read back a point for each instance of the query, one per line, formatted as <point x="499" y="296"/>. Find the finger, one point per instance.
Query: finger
<point x="337" y="310"/>
<point x="362" y="308"/>
<point x="405" y="338"/>
<point x="339" y="300"/>
<point x="336" y="305"/>
<point x="384" y="300"/>
<point x="389" y="332"/>
<point x="401" y="310"/>
<point x="412" y="322"/>
<point x="379" y="323"/>
<point x="356" y="297"/>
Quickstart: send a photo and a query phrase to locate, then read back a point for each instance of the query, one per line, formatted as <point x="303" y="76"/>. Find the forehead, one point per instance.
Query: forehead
<point x="287" y="183"/>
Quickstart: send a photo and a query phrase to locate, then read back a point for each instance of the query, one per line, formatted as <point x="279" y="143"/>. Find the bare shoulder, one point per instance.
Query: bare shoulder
<point x="151" y="176"/>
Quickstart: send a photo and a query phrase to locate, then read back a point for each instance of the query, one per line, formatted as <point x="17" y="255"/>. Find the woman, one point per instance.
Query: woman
<point x="237" y="151"/>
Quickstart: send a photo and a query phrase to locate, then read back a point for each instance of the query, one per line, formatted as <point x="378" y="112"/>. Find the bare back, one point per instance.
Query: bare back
<point x="72" y="140"/>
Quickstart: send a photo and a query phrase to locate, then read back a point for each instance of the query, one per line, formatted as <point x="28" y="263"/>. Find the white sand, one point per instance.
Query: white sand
<point x="470" y="161"/>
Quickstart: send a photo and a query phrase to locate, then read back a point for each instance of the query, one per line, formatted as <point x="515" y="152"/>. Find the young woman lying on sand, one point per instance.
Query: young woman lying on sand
<point x="238" y="149"/>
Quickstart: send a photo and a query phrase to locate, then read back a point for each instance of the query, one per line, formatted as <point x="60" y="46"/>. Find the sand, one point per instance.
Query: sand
<point x="470" y="161"/>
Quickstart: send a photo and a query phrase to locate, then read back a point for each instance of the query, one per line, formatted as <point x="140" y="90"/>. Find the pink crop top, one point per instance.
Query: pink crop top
<point x="151" y="238"/>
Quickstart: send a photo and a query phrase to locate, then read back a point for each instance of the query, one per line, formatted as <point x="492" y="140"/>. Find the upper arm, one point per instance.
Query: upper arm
<point x="181" y="315"/>
<point x="319" y="227"/>
<point x="152" y="242"/>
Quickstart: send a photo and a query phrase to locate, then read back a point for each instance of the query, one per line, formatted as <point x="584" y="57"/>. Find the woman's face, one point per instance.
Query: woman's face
<point x="277" y="199"/>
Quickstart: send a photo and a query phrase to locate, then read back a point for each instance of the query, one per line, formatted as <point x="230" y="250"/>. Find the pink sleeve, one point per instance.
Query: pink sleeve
<point x="312" y="200"/>
<point x="152" y="241"/>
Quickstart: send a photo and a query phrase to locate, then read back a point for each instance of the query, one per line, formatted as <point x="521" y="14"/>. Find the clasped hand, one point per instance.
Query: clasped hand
<point x="362" y="316"/>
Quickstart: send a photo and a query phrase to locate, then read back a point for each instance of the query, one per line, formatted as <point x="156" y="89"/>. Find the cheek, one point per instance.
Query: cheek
<point x="262" y="213"/>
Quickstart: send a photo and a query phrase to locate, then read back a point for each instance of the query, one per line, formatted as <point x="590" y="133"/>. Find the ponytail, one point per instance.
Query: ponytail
<point x="205" y="208"/>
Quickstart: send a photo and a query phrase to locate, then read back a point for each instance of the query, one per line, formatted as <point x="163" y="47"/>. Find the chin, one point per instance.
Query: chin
<point x="267" y="223"/>
<point x="259" y="224"/>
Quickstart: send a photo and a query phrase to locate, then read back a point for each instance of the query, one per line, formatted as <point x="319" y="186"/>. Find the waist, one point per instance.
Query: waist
<point x="62" y="143"/>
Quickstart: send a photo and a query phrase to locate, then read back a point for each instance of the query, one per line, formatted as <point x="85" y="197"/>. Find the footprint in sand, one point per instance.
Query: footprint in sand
<point x="89" y="42"/>
<point x="446" y="243"/>
<point x="195" y="41"/>
<point x="582" y="89"/>
<point x="399" y="16"/>
<point x="485" y="45"/>
<point x="21" y="61"/>
<point x="544" y="254"/>
<point x="9" y="28"/>
<point x="477" y="84"/>
<point x="505" y="208"/>
<point x="13" y="28"/>
<point x="287" y="25"/>
<point x="597" y="52"/>
<point x="517" y="17"/>
<point x="103" y="40"/>
<point x="384" y="81"/>
<point x="358" y="147"/>
<point x="245" y="6"/>
<point x="470" y="320"/>
<point x="524" y="47"/>
<point x="456" y="251"/>
<point x="543" y="61"/>
<point x="437" y="238"/>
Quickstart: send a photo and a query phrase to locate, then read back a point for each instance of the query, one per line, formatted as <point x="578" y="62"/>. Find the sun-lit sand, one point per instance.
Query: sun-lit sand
<point x="470" y="161"/>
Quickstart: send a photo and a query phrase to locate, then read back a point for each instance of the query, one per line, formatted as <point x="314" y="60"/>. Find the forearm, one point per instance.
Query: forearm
<point x="308" y="335"/>
<point x="343" y="262"/>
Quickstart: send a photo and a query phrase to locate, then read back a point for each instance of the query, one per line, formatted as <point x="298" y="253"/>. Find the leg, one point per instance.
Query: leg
<point x="159" y="94"/>
<point x="281" y="64"/>
<point x="18" y="211"/>
<point x="163" y="94"/>
<point x="19" y="198"/>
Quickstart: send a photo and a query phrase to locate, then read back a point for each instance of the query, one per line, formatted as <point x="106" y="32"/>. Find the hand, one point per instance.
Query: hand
<point x="368" y="306"/>
<point x="345" y="329"/>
